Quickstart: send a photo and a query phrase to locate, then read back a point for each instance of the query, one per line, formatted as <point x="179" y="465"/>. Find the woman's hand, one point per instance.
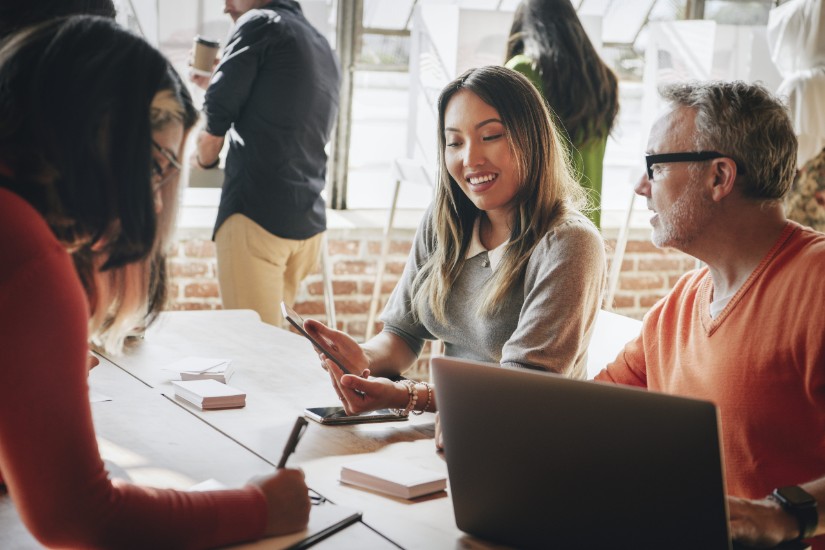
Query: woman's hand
<point x="362" y="394"/>
<point x="357" y="391"/>
<point x="93" y="361"/>
<point x="287" y="501"/>
<point x="340" y="344"/>
<point x="439" y="437"/>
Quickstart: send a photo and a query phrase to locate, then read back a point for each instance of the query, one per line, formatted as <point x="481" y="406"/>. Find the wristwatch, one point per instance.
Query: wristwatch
<point x="801" y="505"/>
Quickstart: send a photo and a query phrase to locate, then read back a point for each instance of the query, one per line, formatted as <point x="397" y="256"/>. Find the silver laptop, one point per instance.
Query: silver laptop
<point x="536" y="460"/>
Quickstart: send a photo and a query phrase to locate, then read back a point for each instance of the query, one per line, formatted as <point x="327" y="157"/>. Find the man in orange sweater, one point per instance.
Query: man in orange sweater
<point x="746" y="331"/>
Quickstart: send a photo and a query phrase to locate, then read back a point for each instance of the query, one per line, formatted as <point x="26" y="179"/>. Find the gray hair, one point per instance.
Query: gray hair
<point x="748" y="123"/>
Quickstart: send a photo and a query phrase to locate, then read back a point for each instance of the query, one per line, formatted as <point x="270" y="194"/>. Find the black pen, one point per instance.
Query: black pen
<point x="297" y="431"/>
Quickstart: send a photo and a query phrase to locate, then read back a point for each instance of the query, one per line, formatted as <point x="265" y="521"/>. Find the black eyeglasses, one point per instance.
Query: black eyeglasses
<point x="160" y="176"/>
<point x="693" y="156"/>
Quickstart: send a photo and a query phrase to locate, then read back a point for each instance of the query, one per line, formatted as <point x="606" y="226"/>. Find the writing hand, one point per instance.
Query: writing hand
<point x="287" y="499"/>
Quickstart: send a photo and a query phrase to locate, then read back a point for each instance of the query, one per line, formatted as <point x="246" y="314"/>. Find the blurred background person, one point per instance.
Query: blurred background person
<point x="83" y="177"/>
<point x="549" y="46"/>
<point x="796" y="37"/>
<point x="805" y="202"/>
<point x="276" y="88"/>
<point x="17" y="15"/>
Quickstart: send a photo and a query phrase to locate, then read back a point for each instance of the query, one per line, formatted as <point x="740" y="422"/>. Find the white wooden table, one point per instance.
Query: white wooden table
<point x="151" y="440"/>
<point x="282" y="375"/>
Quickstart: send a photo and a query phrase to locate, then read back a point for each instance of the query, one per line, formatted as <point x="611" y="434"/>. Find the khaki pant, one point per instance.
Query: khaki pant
<point x="256" y="269"/>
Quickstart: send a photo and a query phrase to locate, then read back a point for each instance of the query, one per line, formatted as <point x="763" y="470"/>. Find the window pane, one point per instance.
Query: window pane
<point x="731" y="12"/>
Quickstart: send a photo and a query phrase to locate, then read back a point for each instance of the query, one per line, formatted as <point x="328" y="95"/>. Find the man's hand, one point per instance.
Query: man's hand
<point x="199" y="80"/>
<point x="207" y="150"/>
<point x="760" y="523"/>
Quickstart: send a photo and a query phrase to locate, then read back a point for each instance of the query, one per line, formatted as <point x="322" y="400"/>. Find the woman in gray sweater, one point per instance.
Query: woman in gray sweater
<point x="504" y="267"/>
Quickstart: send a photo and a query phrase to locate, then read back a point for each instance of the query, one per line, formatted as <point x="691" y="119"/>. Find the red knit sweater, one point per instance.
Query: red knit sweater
<point x="48" y="453"/>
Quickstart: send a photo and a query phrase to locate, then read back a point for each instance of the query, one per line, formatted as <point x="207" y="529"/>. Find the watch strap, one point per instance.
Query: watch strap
<point x="806" y="513"/>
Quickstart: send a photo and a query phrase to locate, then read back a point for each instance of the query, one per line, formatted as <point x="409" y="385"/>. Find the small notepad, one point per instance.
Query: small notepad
<point x="393" y="477"/>
<point x="209" y="394"/>
<point x="202" y="368"/>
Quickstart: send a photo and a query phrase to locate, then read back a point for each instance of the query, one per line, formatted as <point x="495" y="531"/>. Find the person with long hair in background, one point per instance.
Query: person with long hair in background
<point x="549" y="45"/>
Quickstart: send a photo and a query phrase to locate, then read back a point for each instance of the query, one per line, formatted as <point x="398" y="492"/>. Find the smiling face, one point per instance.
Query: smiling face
<point x="676" y="195"/>
<point x="477" y="153"/>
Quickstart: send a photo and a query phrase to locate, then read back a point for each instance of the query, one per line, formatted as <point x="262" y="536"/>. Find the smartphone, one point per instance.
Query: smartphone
<point x="298" y="322"/>
<point x="337" y="415"/>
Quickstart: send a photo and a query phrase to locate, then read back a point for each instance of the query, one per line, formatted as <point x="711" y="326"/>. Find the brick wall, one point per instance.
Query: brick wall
<point x="647" y="274"/>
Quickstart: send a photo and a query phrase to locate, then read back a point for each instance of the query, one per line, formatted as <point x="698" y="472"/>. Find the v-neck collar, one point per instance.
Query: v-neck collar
<point x="710" y="324"/>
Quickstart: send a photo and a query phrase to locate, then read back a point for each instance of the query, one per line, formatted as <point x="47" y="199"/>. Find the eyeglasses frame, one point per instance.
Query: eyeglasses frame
<point x="158" y="171"/>
<point x="688" y="156"/>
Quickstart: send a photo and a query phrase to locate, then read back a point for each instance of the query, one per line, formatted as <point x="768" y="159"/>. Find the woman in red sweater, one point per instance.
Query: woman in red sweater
<point x="91" y="120"/>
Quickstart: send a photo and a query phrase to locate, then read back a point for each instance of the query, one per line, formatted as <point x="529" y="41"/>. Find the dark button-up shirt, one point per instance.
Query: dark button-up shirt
<point x="275" y="93"/>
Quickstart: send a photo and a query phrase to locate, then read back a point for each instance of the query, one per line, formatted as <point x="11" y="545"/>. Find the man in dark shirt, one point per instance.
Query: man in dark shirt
<point x="275" y="92"/>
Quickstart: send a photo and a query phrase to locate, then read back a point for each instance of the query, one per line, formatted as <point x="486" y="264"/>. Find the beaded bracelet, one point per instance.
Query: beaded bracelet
<point x="413" y="396"/>
<point x="410" y="385"/>
<point x="429" y="399"/>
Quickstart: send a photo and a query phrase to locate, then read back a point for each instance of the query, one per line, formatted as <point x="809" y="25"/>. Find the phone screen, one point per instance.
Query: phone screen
<point x="298" y="322"/>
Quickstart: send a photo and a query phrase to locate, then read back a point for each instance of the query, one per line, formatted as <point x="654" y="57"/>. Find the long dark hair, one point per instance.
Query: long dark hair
<point x="75" y="134"/>
<point x="15" y="15"/>
<point x="75" y="95"/>
<point x="579" y="87"/>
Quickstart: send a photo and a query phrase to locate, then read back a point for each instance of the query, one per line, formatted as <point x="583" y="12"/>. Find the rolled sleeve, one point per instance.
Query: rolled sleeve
<point x="235" y="75"/>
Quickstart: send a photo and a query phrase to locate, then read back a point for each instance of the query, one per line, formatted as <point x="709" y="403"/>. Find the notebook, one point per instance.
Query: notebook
<point x="392" y="477"/>
<point x="220" y="374"/>
<point x="209" y="394"/>
<point x="536" y="460"/>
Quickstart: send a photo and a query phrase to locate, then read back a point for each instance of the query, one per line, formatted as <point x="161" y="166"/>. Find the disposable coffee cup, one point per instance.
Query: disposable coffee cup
<point x="205" y="52"/>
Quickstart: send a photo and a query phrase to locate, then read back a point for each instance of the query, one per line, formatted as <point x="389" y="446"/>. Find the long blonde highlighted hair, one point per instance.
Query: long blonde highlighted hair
<point x="129" y="298"/>
<point x="547" y="191"/>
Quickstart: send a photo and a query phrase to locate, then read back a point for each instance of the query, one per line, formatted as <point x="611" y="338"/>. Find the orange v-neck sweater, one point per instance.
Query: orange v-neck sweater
<point x="49" y="457"/>
<point x="761" y="361"/>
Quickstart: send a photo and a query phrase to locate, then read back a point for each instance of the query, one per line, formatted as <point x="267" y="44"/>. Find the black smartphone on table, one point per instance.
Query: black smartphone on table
<point x="338" y="416"/>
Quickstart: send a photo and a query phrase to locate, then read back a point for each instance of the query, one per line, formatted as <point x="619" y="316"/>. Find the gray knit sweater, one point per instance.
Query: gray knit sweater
<point x="546" y="323"/>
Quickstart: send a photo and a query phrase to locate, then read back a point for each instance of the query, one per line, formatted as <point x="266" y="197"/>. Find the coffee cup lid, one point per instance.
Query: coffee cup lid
<point x="207" y="41"/>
